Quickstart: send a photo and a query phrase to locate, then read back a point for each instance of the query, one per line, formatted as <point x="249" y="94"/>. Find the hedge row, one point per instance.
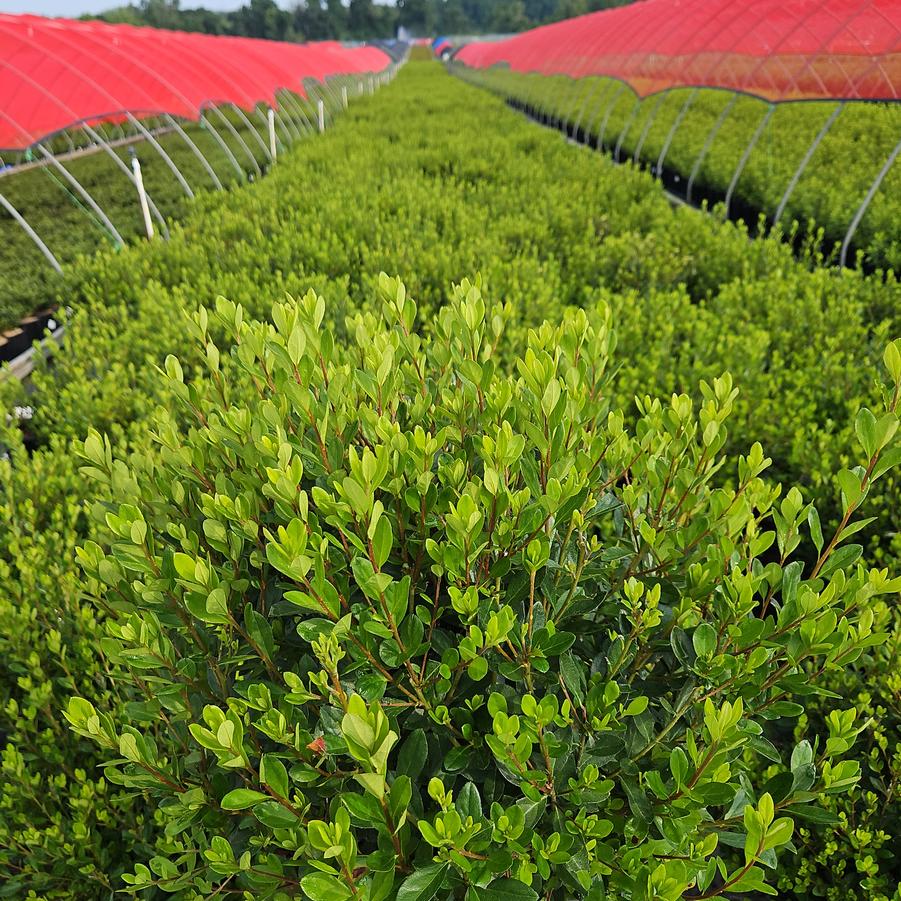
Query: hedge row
<point x="428" y="180"/>
<point x="68" y="226"/>
<point x="834" y="182"/>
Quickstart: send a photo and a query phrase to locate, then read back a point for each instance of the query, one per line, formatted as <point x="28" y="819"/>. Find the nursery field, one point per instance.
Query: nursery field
<point x="700" y="135"/>
<point x="446" y="515"/>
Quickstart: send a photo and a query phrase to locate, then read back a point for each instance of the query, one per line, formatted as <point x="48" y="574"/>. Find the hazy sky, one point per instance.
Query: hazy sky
<point x="77" y="7"/>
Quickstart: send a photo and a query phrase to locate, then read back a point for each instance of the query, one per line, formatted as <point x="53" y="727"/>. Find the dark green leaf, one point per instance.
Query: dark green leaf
<point x="423" y="884"/>
<point x="413" y="754"/>
<point x="506" y="890"/>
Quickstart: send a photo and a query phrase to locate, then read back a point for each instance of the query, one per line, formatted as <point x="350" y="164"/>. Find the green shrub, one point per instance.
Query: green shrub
<point x="427" y="179"/>
<point x="396" y="621"/>
<point x="855" y="855"/>
<point x="65" y="830"/>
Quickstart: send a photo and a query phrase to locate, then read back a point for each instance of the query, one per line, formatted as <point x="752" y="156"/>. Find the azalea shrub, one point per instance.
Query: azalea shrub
<point x="398" y="622"/>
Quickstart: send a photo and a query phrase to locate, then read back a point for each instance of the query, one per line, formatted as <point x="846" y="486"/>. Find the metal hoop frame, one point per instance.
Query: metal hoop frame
<point x="868" y="199"/>
<point x="708" y="143"/>
<point x="796" y="177"/>
<point x="35" y="237"/>
<point x="749" y="149"/>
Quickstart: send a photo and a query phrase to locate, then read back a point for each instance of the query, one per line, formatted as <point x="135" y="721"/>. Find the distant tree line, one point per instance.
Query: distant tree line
<point x="316" y="20"/>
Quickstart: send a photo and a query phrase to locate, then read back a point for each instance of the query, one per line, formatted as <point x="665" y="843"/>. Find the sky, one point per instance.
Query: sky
<point x="77" y="7"/>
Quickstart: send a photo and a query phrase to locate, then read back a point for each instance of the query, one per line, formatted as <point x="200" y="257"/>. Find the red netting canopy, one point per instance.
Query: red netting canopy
<point x="55" y="72"/>
<point x="776" y="49"/>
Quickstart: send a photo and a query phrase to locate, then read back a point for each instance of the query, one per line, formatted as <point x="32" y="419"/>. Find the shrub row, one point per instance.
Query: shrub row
<point x="833" y="184"/>
<point x="68" y="226"/>
<point x="430" y="179"/>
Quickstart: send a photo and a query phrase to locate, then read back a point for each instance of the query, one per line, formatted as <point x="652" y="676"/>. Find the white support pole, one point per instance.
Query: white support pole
<point x="360" y="88"/>
<point x="270" y="118"/>
<point x="371" y="85"/>
<point x="123" y="167"/>
<point x="320" y="112"/>
<point x="344" y="95"/>
<point x="142" y="196"/>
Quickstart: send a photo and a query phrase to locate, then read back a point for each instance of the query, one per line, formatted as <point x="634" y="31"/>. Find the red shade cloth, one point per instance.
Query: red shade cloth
<point x="55" y="72"/>
<point x="775" y="49"/>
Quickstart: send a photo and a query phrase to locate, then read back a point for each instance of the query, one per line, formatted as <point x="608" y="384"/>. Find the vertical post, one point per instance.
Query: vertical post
<point x="320" y="113"/>
<point x="99" y="141"/>
<point x="270" y="118"/>
<point x="142" y="196"/>
<point x="344" y="95"/>
<point x="165" y="156"/>
<point x="360" y="88"/>
<point x="280" y="117"/>
<point x="371" y="85"/>
<point x="263" y="115"/>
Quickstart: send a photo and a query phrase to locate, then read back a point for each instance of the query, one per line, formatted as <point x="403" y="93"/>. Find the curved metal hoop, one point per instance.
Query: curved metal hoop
<point x="708" y="143"/>
<point x="652" y="115"/>
<point x="609" y="109"/>
<point x="807" y="158"/>
<point x="858" y="216"/>
<point x="683" y="112"/>
<point x="20" y="220"/>
<point x="761" y="127"/>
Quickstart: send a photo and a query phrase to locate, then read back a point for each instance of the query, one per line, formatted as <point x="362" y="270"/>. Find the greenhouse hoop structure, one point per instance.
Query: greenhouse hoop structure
<point x="833" y="54"/>
<point x="72" y="88"/>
